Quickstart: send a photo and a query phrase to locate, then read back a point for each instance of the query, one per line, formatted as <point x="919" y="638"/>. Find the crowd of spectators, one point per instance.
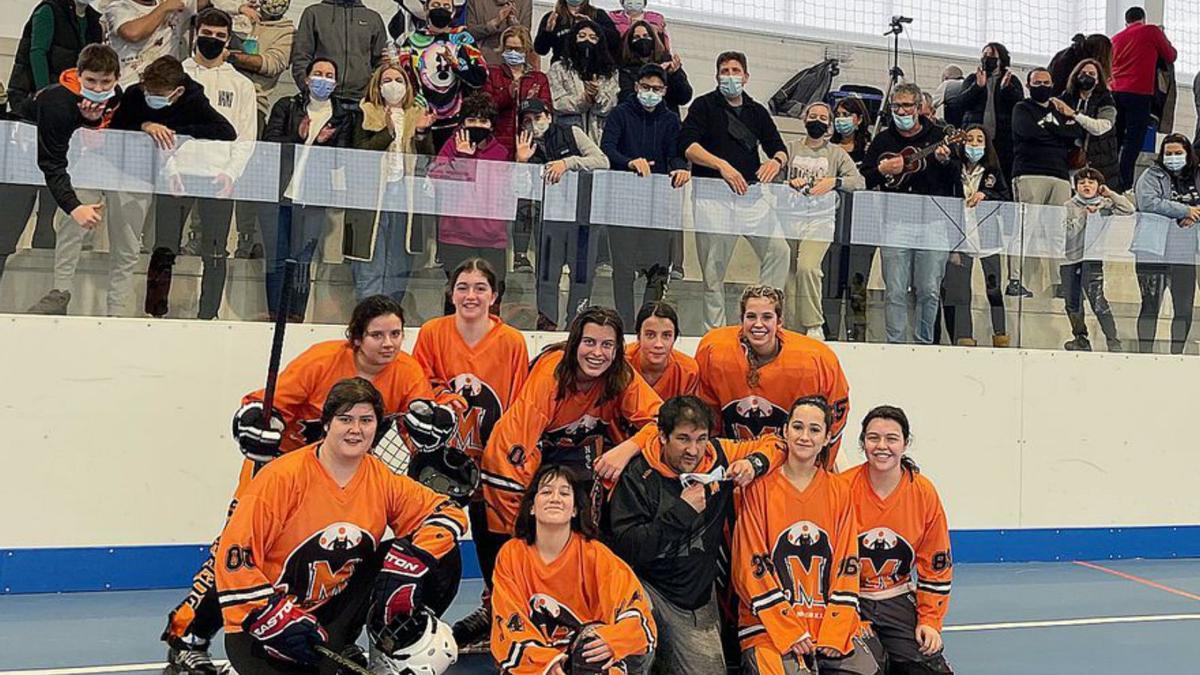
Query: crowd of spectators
<point x="585" y="89"/>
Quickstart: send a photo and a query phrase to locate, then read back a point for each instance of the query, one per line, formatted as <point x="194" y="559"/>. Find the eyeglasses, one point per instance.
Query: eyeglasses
<point x="897" y="107"/>
<point x="651" y="87"/>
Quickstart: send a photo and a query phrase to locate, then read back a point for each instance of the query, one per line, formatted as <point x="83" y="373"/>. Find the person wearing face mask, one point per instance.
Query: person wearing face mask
<point x="721" y="136"/>
<point x="340" y="29"/>
<point x="312" y="117"/>
<point x="980" y="180"/>
<point x="489" y="20"/>
<point x="461" y="238"/>
<point x="816" y="167"/>
<point x="511" y="80"/>
<point x="1170" y="188"/>
<point x="556" y="29"/>
<point x="643" y="45"/>
<point x="1088" y="101"/>
<point x="393" y="122"/>
<point x="1086" y="277"/>
<point x="584" y="83"/>
<point x="633" y="12"/>
<point x="1043" y="138"/>
<point x="987" y="98"/>
<point x="203" y="175"/>
<point x="141" y="31"/>
<point x="85" y="97"/>
<point x="903" y="266"/>
<point x="560" y="148"/>
<point x="642" y="136"/>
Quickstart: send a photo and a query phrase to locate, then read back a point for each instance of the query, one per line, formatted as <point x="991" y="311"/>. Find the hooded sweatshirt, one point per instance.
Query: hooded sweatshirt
<point x="231" y="94"/>
<point x="346" y="31"/>
<point x="55" y="110"/>
<point x="670" y="545"/>
<point x="191" y="115"/>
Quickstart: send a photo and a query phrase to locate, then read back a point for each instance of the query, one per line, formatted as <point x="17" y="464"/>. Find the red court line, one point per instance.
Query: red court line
<point x="1137" y="579"/>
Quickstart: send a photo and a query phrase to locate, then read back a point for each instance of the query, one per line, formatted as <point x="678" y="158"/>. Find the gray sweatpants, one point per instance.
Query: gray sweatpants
<point x="688" y="641"/>
<point x="1039" y="191"/>
<point x="124" y="216"/>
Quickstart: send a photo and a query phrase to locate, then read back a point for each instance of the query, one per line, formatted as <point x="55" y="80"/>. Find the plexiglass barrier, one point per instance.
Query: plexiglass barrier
<point x="216" y="220"/>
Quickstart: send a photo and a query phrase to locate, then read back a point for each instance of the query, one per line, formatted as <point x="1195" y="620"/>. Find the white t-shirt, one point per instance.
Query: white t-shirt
<point x="170" y="38"/>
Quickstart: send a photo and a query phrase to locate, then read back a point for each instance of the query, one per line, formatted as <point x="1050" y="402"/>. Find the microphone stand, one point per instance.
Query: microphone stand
<point x="895" y="74"/>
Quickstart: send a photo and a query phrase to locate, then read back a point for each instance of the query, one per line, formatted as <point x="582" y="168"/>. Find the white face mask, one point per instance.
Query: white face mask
<point x="540" y="126"/>
<point x="393" y="92"/>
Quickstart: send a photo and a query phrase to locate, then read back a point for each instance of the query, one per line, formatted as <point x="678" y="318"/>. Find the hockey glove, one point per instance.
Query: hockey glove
<point x="429" y="424"/>
<point x="257" y="444"/>
<point x="576" y="663"/>
<point x="284" y="631"/>
<point x="397" y="592"/>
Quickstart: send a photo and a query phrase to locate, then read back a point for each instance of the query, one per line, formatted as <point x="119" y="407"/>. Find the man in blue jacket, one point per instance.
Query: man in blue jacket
<point x="642" y="136"/>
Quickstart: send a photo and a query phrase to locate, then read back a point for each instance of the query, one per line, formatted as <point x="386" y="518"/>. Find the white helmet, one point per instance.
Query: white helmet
<point x="431" y="648"/>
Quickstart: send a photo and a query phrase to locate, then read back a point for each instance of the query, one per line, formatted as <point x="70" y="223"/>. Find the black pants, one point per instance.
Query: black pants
<point x="16" y="205"/>
<point x="636" y="249"/>
<point x="1087" y="278"/>
<point x="487" y="544"/>
<point x="895" y="623"/>
<point x="1133" y="117"/>
<point x="1153" y="280"/>
<point x="956" y="295"/>
<point x="847" y="270"/>
<point x="294" y="233"/>
<point x="170" y="214"/>
<point x="344" y="615"/>
<point x="528" y="213"/>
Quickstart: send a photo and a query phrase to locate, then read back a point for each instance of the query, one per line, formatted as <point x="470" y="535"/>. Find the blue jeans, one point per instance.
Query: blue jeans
<point x="923" y="271"/>
<point x="388" y="270"/>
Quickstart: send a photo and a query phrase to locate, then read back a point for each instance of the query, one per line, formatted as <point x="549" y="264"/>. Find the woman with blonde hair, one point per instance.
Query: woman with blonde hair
<point x="514" y="79"/>
<point x="394" y="121"/>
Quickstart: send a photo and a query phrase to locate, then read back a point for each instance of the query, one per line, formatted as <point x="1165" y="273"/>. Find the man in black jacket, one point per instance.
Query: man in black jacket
<point x="85" y="98"/>
<point x="721" y="136"/>
<point x="669" y="511"/>
<point x="905" y="266"/>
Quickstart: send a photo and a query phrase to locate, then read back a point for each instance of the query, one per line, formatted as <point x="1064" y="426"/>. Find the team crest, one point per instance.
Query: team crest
<point x="319" y="568"/>
<point x="889" y="556"/>
<point x="483" y="410"/>
<point x="802" y="555"/>
<point x="582" y="433"/>
<point x="555" y="620"/>
<point x="750" y="417"/>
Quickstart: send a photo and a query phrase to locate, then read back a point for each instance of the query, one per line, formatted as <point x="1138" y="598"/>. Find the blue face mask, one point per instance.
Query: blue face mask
<point x="904" y="122"/>
<point x="321" y="88"/>
<point x="1175" y="162"/>
<point x="97" y="96"/>
<point x="157" y="102"/>
<point x="974" y="152"/>
<point x="844" y="125"/>
<point x="730" y="85"/>
<point x="649" y="99"/>
<point x="513" y="57"/>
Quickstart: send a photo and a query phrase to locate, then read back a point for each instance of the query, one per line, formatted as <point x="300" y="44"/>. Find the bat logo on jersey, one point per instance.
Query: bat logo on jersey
<point x="887" y="559"/>
<point x="582" y="433"/>
<point x="311" y="431"/>
<point x="483" y="410"/>
<point x="748" y="418"/>
<point x="555" y="620"/>
<point x="801" y="557"/>
<point x="319" y="568"/>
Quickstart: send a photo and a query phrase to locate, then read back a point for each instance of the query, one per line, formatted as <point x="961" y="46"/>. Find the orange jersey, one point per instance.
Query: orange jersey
<point x="538" y="427"/>
<point x="803" y="367"/>
<point x="538" y="607"/>
<point x="681" y="378"/>
<point x="488" y="376"/>
<point x="794" y="564"/>
<point x="905" y="530"/>
<point x="296" y="531"/>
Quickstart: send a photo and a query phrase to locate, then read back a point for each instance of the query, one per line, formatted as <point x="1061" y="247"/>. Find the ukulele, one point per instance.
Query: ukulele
<point x="914" y="159"/>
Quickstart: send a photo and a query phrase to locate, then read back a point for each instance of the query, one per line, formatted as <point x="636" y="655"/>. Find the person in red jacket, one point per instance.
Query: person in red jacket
<point x="515" y="79"/>
<point x="1136" y="52"/>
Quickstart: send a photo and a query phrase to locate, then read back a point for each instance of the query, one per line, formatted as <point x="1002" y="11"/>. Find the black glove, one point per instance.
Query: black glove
<point x="575" y="664"/>
<point x="284" y="631"/>
<point x="429" y="424"/>
<point x="258" y="444"/>
<point x="397" y="592"/>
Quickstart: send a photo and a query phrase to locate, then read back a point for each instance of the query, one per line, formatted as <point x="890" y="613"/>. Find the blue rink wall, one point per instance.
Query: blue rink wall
<point x="118" y="461"/>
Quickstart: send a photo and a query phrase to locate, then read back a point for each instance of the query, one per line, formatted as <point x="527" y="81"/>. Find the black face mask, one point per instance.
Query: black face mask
<point x="816" y="128"/>
<point x="586" y="51"/>
<point x="1085" y="82"/>
<point x="209" y="47"/>
<point x="440" y="17"/>
<point x="1041" y="94"/>
<point x="478" y="135"/>
<point x="643" y="46"/>
<point x="990" y="63"/>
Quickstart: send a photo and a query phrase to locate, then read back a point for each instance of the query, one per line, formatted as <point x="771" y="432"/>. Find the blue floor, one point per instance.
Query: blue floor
<point x="993" y="627"/>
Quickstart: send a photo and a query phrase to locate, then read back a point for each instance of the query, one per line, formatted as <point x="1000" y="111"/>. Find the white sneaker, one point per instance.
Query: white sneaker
<point x="816" y="333"/>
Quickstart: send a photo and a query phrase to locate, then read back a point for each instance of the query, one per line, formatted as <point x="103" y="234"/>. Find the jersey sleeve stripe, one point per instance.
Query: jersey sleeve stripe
<point x="766" y="601"/>
<point x="940" y="589"/>
<point x="751" y="631"/>
<point x="447" y="522"/>
<point x="500" y="482"/>
<point x="515" y="652"/>
<point x="847" y="599"/>
<point x="229" y="598"/>
<point x="641" y="620"/>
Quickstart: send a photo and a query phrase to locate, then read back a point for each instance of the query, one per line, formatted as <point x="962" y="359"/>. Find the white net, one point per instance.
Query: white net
<point x="1181" y="21"/>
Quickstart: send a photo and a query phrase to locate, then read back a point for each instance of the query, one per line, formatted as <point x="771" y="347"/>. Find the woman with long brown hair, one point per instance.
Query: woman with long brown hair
<point x="555" y="30"/>
<point x="1087" y="100"/>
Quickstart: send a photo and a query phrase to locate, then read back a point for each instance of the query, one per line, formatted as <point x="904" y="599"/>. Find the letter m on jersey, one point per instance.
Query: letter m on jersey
<point x="324" y="582"/>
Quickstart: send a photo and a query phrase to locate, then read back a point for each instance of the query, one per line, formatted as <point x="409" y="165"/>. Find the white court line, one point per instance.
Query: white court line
<point x="965" y="628"/>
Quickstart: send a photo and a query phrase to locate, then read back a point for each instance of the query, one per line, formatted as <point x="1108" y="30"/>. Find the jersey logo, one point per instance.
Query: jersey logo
<point x="554" y="619"/>
<point x="750" y="417"/>
<point x="574" y="443"/>
<point x="321" y="566"/>
<point x="801" y="557"/>
<point x="886" y="558"/>
<point x="311" y="431"/>
<point x="483" y="409"/>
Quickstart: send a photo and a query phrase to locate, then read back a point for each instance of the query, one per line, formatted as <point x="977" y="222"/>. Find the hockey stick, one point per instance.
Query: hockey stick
<point x="281" y="315"/>
<point x="597" y="494"/>
<point x="342" y="661"/>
